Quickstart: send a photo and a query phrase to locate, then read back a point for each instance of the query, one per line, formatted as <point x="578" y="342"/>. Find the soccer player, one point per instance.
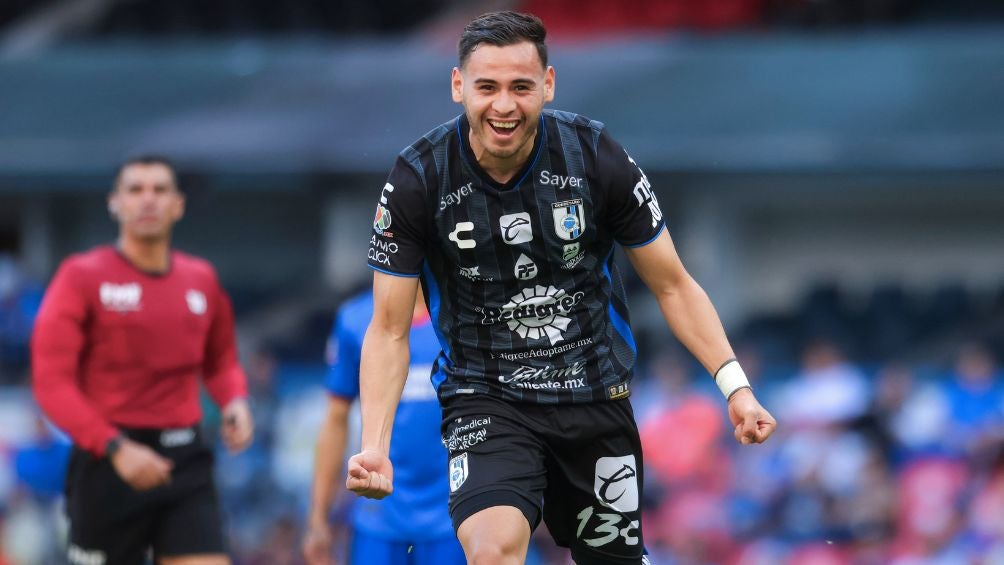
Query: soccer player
<point x="124" y="334"/>
<point x="413" y="526"/>
<point x="508" y="216"/>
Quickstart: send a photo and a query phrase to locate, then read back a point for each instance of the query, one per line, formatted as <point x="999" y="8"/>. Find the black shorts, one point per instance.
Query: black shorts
<point x="111" y="520"/>
<point x="577" y="466"/>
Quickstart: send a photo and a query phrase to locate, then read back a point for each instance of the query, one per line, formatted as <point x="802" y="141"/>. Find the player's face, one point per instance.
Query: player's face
<point x="503" y="90"/>
<point x="146" y="201"/>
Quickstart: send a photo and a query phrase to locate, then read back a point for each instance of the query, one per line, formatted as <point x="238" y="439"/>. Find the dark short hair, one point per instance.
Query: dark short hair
<point x="147" y="159"/>
<point x="502" y="29"/>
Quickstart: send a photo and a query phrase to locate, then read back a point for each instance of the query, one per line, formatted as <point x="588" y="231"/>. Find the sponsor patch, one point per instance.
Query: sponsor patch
<point x="196" y="302"/>
<point x="516" y="228"/>
<point x="458" y="471"/>
<point x="121" y="297"/>
<point x="536" y="313"/>
<point x="616" y="483"/>
<point x="525" y="268"/>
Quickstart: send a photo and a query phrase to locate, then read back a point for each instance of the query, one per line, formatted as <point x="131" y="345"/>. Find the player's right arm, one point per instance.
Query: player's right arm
<point x="56" y="344"/>
<point x="383" y="371"/>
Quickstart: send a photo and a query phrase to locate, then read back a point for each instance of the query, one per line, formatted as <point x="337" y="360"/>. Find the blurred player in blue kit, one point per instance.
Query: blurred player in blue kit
<point x="413" y="526"/>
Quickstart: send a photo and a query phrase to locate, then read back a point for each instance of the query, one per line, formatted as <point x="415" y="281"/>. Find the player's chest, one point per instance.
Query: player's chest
<point x="554" y="223"/>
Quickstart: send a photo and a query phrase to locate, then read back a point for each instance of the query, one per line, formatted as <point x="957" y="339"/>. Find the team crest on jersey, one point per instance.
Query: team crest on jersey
<point x="121" y="297"/>
<point x="458" y="471"/>
<point x="569" y="219"/>
<point x="196" y="302"/>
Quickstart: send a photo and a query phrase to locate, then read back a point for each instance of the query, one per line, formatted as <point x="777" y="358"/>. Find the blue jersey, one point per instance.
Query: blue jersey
<point x="417" y="510"/>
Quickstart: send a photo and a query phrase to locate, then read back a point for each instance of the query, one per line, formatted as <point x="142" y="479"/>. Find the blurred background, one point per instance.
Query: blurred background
<point x="832" y="173"/>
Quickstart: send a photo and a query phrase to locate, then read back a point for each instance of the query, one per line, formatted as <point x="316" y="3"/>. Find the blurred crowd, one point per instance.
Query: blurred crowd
<point x="890" y="448"/>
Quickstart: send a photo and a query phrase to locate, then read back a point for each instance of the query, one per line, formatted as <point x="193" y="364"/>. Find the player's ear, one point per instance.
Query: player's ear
<point x="457" y="84"/>
<point x="549" y="84"/>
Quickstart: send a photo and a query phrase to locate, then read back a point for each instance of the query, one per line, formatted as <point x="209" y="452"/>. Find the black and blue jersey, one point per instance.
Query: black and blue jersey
<point x="520" y="277"/>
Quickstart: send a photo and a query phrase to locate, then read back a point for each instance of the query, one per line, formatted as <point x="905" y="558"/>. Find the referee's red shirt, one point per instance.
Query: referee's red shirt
<point x="114" y="346"/>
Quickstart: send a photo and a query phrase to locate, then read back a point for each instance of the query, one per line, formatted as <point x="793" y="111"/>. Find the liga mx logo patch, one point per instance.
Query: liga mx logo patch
<point x="616" y="483"/>
<point x="569" y="219"/>
<point x="458" y="471"/>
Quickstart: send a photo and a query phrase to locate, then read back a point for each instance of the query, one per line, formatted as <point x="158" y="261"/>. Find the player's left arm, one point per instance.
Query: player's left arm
<point x="693" y="319"/>
<point x="223" y="376"/>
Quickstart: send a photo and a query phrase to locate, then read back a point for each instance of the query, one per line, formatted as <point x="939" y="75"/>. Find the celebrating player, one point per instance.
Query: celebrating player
<point x="508" y="216"/>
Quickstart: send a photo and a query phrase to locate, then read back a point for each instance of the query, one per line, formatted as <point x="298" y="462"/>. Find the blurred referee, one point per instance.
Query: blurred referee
<point x="123" y="336"/>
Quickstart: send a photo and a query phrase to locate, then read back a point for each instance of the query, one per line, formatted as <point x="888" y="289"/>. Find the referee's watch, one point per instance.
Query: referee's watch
<point x="113" y="446"/>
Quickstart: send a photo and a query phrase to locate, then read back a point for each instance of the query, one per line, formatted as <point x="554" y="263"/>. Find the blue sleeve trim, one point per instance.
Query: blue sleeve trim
<point x="644" y="243"/>
<point x="406" y="275"/>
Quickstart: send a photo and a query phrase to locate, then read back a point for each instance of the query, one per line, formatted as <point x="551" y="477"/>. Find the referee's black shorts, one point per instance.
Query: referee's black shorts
<point x="112" y="524"/>
<point x="578" y="467"/>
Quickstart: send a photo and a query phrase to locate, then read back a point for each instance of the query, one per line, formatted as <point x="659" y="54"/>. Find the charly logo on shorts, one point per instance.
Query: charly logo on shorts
<point x="458" y="471"/>
<point x="616" y="483"/>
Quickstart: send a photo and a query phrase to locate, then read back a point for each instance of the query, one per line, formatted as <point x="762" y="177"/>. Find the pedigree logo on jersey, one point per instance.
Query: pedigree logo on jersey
<point x="536" y="313"/>
<point x="569" y="219"/>
<point x="121" y="297"/>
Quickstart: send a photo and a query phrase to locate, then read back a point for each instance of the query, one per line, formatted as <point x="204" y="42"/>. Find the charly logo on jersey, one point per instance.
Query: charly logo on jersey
<point x="516" y="228"/>
<point x="643" y="193"/>
<point x="458" y="471"/>
<point x="456" y="196"/>
<point x="569" y="219"/>
<point x="196" y="301"/>
<point x="525" y="268"/>
<point x="120" y="297"/>
<point x="382" y="219"/>
<point x="616" y="483"/>
<point x="571" y="255"/>
<point x="536" y="313"/>
<point x="460" y="229"/>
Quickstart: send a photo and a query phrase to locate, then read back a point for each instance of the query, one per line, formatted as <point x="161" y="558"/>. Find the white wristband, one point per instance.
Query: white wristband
<point x="730" y="378"/>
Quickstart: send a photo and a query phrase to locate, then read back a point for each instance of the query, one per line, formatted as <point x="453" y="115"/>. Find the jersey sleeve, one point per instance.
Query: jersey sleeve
<point x="56" y="345"/>
<point x="345" y="346"/>
<point x="397" y="242"/>
<point x="221" y="371"/>
<point x="633" y="215"/>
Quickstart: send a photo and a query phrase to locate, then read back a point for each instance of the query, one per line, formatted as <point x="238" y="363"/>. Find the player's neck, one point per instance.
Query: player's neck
<point x="501" y="170"/>
<point x="147" y="255"/>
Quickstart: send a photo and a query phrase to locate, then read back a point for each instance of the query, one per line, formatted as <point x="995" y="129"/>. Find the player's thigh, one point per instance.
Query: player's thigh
<point x="593" y="501"/>
<point x="496" y="535"/>
<point x="443" y="551"/>
<point x="366" y="549"/>
<point x="109" y="521"/>
<point x="190" y="526"/>
<point x="495" y="459"/>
